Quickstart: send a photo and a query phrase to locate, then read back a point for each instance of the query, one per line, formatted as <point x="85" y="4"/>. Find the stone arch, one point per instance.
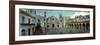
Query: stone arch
<point x="76" y="26"/>
<point x="87" y="26"/>
<point x="73" y="25"/>
<point x="84" y="26"/>
<point x="80" y="26"/>
<point x="68" y="25"/>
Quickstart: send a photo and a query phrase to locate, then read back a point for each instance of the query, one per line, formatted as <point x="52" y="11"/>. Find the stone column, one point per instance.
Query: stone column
<point x="85" y="26"/>
<point x="81" y="26"/>
<point x="71" y="26"/>
<point x="74" y="26"/>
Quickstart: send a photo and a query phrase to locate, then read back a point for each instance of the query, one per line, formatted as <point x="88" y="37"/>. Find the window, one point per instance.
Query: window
<point x="53" y="25"/>
<point x="30" y="11"/>
<point x="52" y="18"/>
<point x="38" y="20"/>
<point x="58" y="25"/>
<point x="29" y="33"/>
<point x="33" y="29"/>
<point x="47" y="26"/>
<point x="23" y="32"/>
<point x="23" y="19"/>
<point x="29" y="21"/>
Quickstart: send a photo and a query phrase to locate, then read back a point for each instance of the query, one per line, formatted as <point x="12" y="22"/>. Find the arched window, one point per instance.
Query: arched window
<point x="23" y="19"/>
<point x="23" y="32"/>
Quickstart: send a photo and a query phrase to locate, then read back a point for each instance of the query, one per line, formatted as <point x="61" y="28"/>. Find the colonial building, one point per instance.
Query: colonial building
<point x="79" y="23"/>
<point x="28" y="21"/>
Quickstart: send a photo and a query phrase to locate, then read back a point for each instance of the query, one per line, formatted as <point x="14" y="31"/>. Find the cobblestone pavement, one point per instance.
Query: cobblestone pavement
<point x="63" y="31"/>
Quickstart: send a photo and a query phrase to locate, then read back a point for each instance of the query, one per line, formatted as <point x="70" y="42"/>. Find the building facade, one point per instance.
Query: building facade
<point x="28" y="21"/>
<point x="79" y="23"/>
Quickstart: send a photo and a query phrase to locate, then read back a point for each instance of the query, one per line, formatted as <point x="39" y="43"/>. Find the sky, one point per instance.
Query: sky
<point x="57" y="12"/>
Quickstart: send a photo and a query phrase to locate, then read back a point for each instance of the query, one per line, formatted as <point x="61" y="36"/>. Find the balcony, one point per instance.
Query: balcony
<point x="27" y="24"/>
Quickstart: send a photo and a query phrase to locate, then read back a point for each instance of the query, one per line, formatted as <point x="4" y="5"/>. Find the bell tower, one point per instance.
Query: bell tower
<point x="61" y="19"/>
<point x="45" y="16"/>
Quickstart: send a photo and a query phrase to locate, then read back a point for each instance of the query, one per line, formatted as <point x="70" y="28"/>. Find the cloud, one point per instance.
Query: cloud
<point x="80" y="13"/>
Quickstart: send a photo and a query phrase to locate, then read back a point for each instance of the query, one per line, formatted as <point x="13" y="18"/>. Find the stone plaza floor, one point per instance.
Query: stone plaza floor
<point x="64" y="31"/>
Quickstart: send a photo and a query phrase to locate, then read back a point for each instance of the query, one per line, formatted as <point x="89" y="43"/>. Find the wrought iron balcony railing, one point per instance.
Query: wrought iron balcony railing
<point x="27" y="24"/>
